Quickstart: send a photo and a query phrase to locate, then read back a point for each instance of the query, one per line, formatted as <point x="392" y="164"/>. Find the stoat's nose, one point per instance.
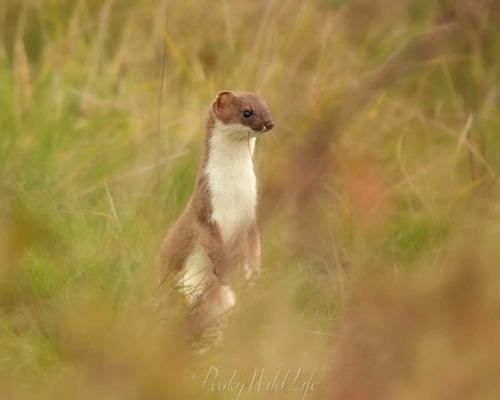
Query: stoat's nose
<point x="269" y="125"/>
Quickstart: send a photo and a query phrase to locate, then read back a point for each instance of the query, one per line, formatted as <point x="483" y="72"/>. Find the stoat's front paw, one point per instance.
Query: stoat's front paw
<point x="250" y="275"/>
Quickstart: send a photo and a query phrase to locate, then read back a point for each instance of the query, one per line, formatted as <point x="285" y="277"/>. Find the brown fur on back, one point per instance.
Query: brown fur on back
<point x="180" y="238"/>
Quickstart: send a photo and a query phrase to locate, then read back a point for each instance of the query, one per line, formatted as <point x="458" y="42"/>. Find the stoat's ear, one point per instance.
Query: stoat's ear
<point x="222" y="100"/>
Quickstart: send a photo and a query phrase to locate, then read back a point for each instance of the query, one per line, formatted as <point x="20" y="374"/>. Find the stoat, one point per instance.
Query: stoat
<point x="218" y="229"/>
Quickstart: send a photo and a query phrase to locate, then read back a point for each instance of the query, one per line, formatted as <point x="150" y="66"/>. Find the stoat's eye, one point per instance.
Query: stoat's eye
<point x="247" y="113"/>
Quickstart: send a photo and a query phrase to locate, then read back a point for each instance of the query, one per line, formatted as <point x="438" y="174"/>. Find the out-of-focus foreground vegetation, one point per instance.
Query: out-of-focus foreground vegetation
<point x="379" y="195"/>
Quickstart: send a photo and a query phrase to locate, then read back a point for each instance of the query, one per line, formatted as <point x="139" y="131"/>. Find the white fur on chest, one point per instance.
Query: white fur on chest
<point x="231" y="179"/>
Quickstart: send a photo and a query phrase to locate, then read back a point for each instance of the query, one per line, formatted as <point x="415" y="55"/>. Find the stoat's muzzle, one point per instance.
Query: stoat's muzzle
<point x="262" y="127"/>
<point x="268" y="125"/>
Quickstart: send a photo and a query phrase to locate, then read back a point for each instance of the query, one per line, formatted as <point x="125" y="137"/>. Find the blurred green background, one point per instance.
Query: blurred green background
<point x="379" y="198"/>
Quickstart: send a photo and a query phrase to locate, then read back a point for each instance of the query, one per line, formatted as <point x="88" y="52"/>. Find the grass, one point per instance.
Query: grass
<point x="379" y="196"/>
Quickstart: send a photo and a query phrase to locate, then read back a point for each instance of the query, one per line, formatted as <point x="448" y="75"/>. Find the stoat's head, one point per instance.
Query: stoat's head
<point x="242" y="114"/>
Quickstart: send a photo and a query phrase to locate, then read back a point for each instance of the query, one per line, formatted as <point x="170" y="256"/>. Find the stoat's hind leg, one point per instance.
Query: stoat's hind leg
<point x="208" y="316"/>
<point x="209" y="301"/>
<point x="196" y="275"/>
